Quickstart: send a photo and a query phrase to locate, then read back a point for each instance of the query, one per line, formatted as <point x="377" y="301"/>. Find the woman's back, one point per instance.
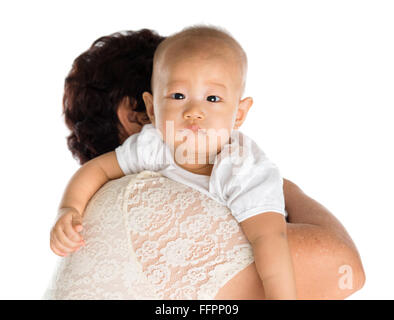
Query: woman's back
<point x="148" y="237"/>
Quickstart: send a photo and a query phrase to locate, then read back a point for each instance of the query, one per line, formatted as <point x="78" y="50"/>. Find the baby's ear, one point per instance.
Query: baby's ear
<point x="243" y="109"/>
<point x="148" y="100"/>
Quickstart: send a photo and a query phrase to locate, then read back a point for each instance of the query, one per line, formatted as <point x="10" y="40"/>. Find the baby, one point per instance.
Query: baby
<point x="195" y="109"/>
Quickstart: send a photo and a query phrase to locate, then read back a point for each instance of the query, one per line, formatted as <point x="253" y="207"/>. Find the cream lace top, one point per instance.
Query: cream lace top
<point x="149" y="237"/>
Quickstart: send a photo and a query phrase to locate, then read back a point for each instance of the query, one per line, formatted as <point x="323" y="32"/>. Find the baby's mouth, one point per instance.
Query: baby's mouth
<point x="194" y="128"/>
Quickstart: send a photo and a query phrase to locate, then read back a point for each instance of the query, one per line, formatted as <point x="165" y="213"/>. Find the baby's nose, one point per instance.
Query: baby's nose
<point x="194" y="116"/>
<point x="193" y="113"/>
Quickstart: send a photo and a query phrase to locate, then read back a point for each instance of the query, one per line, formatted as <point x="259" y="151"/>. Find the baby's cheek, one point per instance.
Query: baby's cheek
<point x="167" y="130"/>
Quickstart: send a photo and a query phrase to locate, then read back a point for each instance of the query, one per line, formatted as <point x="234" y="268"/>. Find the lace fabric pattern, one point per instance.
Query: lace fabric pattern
<point x="149" y="237"/>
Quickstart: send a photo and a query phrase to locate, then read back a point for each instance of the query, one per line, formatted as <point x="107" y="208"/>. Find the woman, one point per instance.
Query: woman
<point x="137" y="224"/>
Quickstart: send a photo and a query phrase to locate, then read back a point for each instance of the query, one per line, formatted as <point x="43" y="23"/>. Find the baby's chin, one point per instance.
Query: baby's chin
<point x="189" y="149"/>
<point x="184" y="157"/>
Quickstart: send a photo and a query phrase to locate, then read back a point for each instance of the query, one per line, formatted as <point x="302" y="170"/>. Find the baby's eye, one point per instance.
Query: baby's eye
<point x="213" y="98"/>
<point x="178" y="96"/>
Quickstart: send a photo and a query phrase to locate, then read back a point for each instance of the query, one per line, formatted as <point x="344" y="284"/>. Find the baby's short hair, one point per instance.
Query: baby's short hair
<point x="192" y="36"/>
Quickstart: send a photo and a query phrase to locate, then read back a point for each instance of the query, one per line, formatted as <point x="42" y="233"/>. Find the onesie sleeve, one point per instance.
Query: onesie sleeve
<point x="141" y="151"/>
<point x="249" y="185"/>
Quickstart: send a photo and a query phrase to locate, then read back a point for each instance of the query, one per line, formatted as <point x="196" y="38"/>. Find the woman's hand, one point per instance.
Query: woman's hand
<point x="65" y="237"/>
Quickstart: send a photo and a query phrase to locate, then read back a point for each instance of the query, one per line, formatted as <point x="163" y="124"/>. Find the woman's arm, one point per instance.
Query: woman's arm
<point x="326" y="262"/>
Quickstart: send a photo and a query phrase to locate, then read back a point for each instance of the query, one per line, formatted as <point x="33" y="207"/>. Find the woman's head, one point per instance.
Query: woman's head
<point x="102" y="100"/>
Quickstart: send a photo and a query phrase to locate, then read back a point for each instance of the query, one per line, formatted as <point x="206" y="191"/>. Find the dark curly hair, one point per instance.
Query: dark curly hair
<point x="114" y="67"/>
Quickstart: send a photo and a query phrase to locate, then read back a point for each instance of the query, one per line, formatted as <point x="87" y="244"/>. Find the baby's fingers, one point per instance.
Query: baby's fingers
<point x="53" y="246"/>
<point x="72" y="235"/>
<point x="65" y="240"/>
<point x="56" y="250"/>
<point x="77" y="222"/>
<point x="58" y="247"/>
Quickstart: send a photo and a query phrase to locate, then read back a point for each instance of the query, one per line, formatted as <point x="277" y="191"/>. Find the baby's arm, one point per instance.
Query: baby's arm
<point x="267" y="234"/>
<point x="82" y="186"/>
<point x="88" y="179"/>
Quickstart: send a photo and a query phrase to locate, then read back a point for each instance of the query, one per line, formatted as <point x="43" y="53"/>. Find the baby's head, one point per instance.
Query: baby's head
<point x="197" y="83"/>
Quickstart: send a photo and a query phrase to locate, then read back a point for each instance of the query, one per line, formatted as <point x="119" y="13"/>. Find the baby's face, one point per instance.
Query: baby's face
<point x="196" y="97"/>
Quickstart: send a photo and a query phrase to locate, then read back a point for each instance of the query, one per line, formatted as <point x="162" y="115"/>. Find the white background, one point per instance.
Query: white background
<point x="322" y="77"/>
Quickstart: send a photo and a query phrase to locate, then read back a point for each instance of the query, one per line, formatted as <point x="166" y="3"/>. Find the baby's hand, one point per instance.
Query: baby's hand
<point x="65" y="237"/>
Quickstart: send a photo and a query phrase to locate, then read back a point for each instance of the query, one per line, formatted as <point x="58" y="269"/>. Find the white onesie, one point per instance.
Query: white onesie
<point x="247" y="185"/>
